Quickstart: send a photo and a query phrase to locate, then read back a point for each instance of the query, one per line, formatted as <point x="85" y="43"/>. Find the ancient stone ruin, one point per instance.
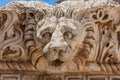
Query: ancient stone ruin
<point x="74" y="40"/>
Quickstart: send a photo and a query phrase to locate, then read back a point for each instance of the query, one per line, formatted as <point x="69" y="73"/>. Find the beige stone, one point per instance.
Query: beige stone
<point x="74" y="40"/>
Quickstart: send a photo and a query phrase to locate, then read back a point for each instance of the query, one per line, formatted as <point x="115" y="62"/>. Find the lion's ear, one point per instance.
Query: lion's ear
<point x="39" y="15"/>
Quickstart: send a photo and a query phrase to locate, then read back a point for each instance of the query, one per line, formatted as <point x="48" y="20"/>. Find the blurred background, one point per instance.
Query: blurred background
<point x="51" y="2"/>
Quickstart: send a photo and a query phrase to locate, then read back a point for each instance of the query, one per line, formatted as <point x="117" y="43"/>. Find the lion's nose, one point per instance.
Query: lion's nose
<point x="58" y="50"/>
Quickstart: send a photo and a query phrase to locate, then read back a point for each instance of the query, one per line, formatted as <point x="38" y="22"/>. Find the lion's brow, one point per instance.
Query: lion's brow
<point x="70" y="27"/>
<point x="43" y="28"/>
<point x="47" y="29"/>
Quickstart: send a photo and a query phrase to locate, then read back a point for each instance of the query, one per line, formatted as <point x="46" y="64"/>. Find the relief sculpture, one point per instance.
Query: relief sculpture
<point x="57" y="40"/>
<point x="11" y="37"/>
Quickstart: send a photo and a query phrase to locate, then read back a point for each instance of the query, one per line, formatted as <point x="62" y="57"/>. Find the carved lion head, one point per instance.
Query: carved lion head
<point x="61" y="39"/>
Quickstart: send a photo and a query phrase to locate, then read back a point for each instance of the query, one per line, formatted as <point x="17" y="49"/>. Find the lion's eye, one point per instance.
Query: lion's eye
<point x="46" y="35"/>
<point x="68" y="35"/>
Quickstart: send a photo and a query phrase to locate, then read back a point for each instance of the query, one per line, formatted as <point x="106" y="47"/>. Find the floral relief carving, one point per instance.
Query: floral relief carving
<point x="104" y="25"/>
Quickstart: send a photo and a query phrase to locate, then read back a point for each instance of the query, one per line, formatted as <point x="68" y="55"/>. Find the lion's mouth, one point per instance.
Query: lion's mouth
<point x="57" y="63"/>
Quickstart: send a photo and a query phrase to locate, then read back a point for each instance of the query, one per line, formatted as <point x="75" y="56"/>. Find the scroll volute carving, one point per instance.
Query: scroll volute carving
<point x="11" y="36"/>
<point x="3" y="18"/>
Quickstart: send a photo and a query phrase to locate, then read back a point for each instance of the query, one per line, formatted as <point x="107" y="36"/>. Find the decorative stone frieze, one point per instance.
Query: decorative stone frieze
<point x="74" y="40"/>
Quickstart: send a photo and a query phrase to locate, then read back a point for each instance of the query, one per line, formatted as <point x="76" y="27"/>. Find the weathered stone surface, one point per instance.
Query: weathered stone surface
<point x="74" y="40"/>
